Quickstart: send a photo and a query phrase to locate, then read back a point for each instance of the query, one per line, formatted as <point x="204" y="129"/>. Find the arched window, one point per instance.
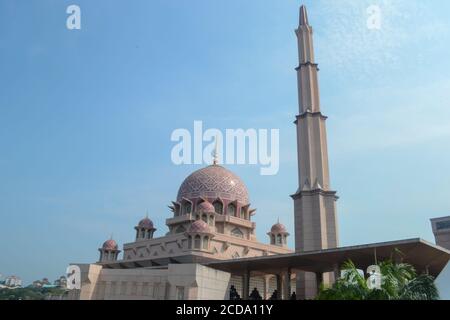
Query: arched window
<point x="279" y="241"/>
<point x="211" y="220"/>
<point x="236" y="232"/>
<point x="231" y="209"/>
<point x="218" y="207"/>
<point x="205" y="218"/>
<point x="205" y="242"/>
<point x="177" y="210"/>
<point x="187" y="208"/>
<point x="242" y="213"/>
<point x="197" y="242"/>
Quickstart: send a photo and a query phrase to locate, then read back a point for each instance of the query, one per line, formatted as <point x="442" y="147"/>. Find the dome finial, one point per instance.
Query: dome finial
<point x="216" y="153"/>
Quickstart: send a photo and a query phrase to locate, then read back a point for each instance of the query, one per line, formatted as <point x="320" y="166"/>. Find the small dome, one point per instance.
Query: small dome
<point x="278" y="228"/>
<point x="199" y="226"/>
<point x="110" y="245"/>
<point x="206" y="206"/>
<point x="146" y="223"/>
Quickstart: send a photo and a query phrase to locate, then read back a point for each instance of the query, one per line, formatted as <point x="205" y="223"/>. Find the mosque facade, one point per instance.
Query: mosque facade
<point x="212" y="221"/>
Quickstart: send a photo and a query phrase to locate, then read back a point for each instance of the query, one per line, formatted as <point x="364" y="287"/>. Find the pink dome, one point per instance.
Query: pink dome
<point x="199" y="226"/>
<point x="278" y="228"/>
<point x="214" y="182"/>
<point x="206" y="206"/>
<point x="146" y="223"/>
<point x="110" y="245"/>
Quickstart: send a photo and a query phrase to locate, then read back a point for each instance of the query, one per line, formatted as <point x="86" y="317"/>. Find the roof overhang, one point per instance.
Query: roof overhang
<point x="423" y="255"/>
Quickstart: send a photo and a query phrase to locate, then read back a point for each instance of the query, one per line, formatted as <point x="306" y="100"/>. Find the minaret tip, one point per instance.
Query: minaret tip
<point x="303" y="16"/>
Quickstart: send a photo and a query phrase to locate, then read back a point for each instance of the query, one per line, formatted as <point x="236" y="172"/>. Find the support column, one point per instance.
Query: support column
<point x="319" y="280"/>
<point x="287" y="285"/>
<point x="246" y="285"/>
<point x="336" y="272"/>
<point x="266" y="294"/>
<point x="279" y="289"/>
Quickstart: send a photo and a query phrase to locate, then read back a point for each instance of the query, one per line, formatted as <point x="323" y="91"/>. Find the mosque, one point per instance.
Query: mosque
<point x="210" y="250"/>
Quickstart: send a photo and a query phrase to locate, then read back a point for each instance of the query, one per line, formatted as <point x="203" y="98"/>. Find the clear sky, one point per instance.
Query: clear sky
<point x="86" y="115"/>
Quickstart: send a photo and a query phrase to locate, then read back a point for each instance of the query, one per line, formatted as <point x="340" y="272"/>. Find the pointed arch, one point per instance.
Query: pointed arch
<point x="231" y="209"/>
<point x="180" y="229"/>
<point x="218" y="206"/>
<point x="236" y="232"/>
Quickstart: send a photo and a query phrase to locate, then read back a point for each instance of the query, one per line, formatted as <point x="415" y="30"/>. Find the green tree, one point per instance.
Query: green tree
<point x="399" y="282"/>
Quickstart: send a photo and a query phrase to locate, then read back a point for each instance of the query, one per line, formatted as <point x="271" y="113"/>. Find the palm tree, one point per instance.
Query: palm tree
<point x="399" y="282"/>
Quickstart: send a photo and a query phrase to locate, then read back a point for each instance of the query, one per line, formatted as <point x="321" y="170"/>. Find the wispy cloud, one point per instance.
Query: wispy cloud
<point x="345" y="43"/>
<point x="397" y="117"/>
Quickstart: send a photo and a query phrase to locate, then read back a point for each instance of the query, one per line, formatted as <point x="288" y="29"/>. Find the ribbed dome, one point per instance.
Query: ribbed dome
<point x="146" y="223"/>
<point x="206" y="207"/>
<point x="199" y="226"/>
<point x="278" y="228"/>
<point x="214" y="182"/>
<point x="110" y="245"/>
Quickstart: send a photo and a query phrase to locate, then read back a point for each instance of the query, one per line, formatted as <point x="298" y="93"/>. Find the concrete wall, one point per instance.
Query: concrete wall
<point x="176" y="281"/>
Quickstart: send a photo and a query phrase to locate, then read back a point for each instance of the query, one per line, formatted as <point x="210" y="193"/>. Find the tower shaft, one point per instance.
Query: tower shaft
<point x="314" y="201"/>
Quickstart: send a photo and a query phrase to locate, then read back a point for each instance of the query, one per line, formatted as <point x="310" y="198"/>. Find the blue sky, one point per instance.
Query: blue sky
<point x="86" y="116"/>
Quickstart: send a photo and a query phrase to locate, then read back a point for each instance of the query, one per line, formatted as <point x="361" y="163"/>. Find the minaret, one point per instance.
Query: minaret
<point x="314" y="201"/>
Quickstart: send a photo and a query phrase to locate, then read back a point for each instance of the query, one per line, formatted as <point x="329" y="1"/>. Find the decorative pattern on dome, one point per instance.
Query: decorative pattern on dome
<point x="146" y="223"/>
<point x="278" y="228"/>
<point x="214" y="182"/>
<point x="110" y="245"/>
<point x="206" y="206"/>
<point x="199" y="226"/>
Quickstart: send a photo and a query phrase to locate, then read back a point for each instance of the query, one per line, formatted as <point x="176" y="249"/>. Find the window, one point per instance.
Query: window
<point x="242" y="213"/>
<point x="205" y="243"/>
<point x="218" y="207"/>
<point x="113" y="289"/>
<point x="144" y="289"/>
<point x="443" y="225"/>
<point x="156" y="290"/>
<point x="236" y="232"/>
<point x="133" y="288"/>
<point x="273" y="239"/>
<point x="205" y="218"/>
<point x="123" y="288"/>
<point x="232" y="209"/>
<point x="279" y="239"/>
<point x="180" y="293"/>
<point x="187" y="208"/>
<point x="197" y="242"/>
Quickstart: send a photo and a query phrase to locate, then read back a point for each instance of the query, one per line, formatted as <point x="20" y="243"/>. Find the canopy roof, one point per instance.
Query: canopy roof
<point x="423" y="255"/>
